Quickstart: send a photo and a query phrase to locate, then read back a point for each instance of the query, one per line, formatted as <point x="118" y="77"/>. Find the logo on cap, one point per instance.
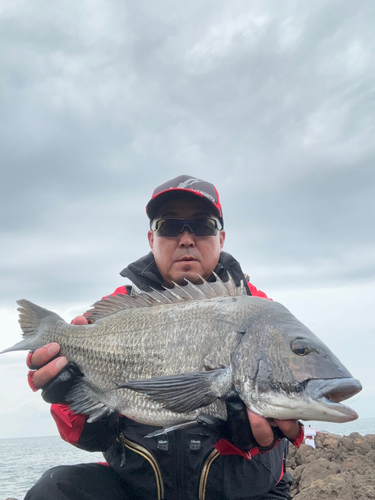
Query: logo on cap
<point x="188" y="182"/>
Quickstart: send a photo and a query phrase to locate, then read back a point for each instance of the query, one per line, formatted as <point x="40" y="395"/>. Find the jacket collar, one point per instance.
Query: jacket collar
<point x="145" y="274"/>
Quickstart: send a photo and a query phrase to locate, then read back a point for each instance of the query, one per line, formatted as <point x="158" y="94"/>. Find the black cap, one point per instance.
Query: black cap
<point x="184" y="185"/>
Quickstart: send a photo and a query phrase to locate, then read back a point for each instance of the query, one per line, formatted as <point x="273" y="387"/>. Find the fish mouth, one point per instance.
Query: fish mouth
<point x="331" y="392"/>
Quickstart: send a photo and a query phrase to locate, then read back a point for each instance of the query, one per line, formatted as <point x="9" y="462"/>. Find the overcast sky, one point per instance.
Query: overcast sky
<point x="272" y="101"/>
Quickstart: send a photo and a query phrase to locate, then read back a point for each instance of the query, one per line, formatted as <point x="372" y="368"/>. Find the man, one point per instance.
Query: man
<point x="186" y="240"/>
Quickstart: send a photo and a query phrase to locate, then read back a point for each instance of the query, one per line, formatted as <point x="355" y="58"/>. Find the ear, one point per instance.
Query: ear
<point x="222" y="239"/>
<point x="150" y="236"/>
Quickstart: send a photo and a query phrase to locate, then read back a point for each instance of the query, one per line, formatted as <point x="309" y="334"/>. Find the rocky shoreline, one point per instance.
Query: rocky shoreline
<point x="341" y="467"/>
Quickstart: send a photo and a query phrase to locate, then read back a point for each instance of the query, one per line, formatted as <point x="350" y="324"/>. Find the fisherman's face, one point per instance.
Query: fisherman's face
<point x="185" y="255"/>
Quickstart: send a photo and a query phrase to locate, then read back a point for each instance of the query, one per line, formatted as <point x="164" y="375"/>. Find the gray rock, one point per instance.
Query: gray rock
<point x="339" y="467"/>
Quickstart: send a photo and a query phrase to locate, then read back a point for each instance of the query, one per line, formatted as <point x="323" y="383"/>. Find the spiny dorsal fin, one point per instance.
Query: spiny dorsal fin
<point x="190" y="291"/>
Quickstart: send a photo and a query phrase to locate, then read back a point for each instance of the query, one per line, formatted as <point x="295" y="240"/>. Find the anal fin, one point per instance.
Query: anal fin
<point x="84" y="398"/>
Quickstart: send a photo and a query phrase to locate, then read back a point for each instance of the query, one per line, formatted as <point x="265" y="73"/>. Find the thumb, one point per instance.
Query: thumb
<point x="79" y="320"/>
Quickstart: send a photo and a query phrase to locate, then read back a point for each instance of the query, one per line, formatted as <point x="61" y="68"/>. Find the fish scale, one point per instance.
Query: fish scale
<point x="165" y="357"/>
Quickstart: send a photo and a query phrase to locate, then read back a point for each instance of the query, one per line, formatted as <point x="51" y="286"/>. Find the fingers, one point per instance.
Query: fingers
<point x="261" y="429"/>
<point x="45" y="374"/>
<point x="263" y="433"/>
<point x="43" y="355"/>
<point x="290" y="428"/>
<point x="47" y="367"/>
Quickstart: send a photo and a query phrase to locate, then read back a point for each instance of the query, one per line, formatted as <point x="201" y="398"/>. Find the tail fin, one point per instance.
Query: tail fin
<point x="30" y="318"/>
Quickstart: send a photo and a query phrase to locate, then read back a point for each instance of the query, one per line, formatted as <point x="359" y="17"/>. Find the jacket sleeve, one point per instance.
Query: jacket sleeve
<point x="75" y="429"/>
<point x="70" y="426"/>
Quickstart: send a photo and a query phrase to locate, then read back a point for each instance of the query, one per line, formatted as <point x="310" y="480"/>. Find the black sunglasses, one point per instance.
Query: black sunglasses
<point x="207" y="226"/>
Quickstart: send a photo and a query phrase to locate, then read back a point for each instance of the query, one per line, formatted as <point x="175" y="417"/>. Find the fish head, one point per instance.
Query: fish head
<point x="281" y="369"/>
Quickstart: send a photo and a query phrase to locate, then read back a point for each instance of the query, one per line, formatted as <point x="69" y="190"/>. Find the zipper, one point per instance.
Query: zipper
<point x="147" y="455"/>
<point x="179" y="443"/>
<point x="204" y="475"/>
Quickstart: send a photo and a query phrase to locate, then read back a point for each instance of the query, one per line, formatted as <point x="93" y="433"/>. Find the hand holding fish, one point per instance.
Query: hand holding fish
<point x="45" y="363"/>
<point x="263" y="433"/>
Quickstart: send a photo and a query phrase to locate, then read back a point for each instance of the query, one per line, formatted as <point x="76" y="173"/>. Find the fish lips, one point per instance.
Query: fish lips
<point x="331" y="392"/>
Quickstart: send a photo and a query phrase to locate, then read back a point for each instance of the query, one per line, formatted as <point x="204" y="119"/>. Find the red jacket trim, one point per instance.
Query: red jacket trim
<point x="120" y="290"/>
<point x="255" y="292"/>
<point x="224" y="447"/>
<point x="299" y="440"/>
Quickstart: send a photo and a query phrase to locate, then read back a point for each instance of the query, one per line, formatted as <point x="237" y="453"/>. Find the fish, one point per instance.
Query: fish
<point x="168" y="357"/>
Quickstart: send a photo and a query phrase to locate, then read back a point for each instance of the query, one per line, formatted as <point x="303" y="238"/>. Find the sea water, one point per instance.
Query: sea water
<point x="23" y="460"/>
<point x="362" y="425"/>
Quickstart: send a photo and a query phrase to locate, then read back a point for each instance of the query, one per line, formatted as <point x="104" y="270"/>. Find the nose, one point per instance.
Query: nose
<point x="186" y="238"/>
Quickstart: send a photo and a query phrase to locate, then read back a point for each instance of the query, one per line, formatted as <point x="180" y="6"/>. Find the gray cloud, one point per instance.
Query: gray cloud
<point x="102" y="102"/>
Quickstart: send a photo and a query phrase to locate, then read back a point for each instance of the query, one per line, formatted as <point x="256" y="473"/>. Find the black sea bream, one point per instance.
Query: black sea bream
<point x="163" y="358"/>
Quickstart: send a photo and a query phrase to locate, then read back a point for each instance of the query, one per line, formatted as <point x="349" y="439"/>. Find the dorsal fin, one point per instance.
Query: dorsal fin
<point x="189" y="292"/>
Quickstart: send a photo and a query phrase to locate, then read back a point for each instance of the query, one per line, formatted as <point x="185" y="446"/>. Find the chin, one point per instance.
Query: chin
<point x="191" y="276"/>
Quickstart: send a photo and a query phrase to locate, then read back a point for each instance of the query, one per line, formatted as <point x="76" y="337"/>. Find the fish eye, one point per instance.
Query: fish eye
<point x="300" y="347"/>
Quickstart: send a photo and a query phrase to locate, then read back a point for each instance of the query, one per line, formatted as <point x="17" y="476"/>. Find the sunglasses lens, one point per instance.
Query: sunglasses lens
<point x="168" y="228"/>
<point x="173" y="227"/>
<point x="204" y="227"/>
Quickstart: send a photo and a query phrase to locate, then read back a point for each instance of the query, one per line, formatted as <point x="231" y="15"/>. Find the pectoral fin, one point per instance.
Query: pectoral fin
<point x="185" y="392"/>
